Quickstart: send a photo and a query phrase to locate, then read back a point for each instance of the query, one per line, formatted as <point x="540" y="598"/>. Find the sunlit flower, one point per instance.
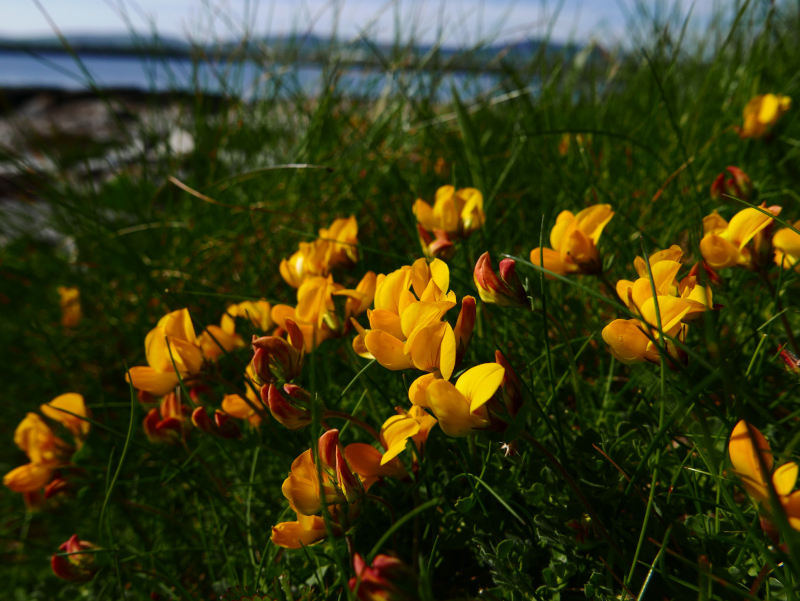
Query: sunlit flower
<point x="787" y="247"/>
<point x="68" y="409"/>
<point x="461" y="409"/>
<point x="388" y="579"/>
<point x="677" y="302"/>
<point x="573" y="242"/>
<point x="763" y="112"/>
<point x="455" y="212"/>
<point x="258" y="313"/>
<point x="334" y="486"/>
<point x="358" y="300"/>
<point x="171" y="344"/>
<point x="738" y="185"/>
<point x="726" y="244"/>
<point x="504" y="289"/>
<point x="78" y="565"/>
<point x="312" y="335"/>
<point x="306" y="530"/>
<point x="745" y="446"/>
<point x="44" y="449"/>
<point x="336" y="246"/>
<point x="70" y="303"/>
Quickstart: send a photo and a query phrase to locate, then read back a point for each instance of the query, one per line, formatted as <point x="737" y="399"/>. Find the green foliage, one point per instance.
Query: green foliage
<point x="662" y="515"/>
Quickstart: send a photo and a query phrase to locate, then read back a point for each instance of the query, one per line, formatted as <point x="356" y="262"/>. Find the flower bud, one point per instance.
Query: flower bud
<point x="791" y="362"/>
<point x="388" y="579"/>
<point x="510" y="387"/>
<point x="78" y="566"/>
<point x="738" y="186"/>
<point x="222" y="425"/>
<point x="276" y="359"/>
<point x="294" y="412"/>
<point x="505" y="290"/>
<point x="464" y="326"/>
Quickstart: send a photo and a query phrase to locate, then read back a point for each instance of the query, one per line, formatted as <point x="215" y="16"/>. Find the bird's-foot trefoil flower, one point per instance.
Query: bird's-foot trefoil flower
<point x="68" y="410"/>
<point x="761" y="113"/>
<point x="436" y="246"/>
<point x="744" y="447"/>
<point x="73" y="563"/>
<point x="503" y="288"/>
<point x="573" y="242"/>
<point x="786" y="243"/>
<point x="461" y="409"/>
<point x="171" y="348"/>
<point x="454" y="212"/>
<point x="337" y="246"/>
<point x="725" y="244"/>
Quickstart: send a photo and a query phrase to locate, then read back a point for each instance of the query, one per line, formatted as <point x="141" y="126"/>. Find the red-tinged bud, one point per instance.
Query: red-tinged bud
<point x="791" y="362"/>
<point x="388" y="579"/>
<point x="511" y="387"/>
<point x="464" y="326"/>
<point x="157" y="430"/>
<point x="196" y="391"/>
<point x="505" y="290"/>
<point x="221" y="426"/>
<point x="333" y="461"/>
<point x="57" y="486"/>
<point x="276" y="359"/>
<point x="76" y="565"/>
<point x="738" y="185"/>
<point x="713" y="276"/>
<point x="293" y="413"/>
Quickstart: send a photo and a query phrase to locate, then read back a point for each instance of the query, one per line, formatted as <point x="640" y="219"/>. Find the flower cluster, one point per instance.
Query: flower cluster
<point x="46" y="451"/>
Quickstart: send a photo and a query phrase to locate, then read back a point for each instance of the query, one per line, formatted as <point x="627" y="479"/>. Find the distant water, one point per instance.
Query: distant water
<point x="245" y="79"/>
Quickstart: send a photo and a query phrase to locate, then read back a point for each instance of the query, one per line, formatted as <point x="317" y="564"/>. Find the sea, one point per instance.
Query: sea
<point x="242" y="78"/>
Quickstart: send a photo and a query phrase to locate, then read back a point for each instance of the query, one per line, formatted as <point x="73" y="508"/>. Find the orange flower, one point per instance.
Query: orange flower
<point x="78" y="565"/>
<point x="454" y="212"/>
<point x="67" y="409"/>
<point x="574" y="240"/>
<point x="763" y="112"/>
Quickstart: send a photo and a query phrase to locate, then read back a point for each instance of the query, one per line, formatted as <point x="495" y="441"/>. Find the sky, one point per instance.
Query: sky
<point x="462" y="22"/>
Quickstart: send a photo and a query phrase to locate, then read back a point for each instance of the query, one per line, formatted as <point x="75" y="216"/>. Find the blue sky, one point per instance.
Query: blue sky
<point x="464" y="21"/>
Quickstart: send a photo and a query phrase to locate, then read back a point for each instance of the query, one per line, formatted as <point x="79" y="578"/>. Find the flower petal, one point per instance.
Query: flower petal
<point x="479" y="383"/>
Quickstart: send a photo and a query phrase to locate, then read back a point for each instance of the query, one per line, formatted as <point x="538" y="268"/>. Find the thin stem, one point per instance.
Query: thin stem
<point x="355" y="421"/>
<point x="778" y="305"/>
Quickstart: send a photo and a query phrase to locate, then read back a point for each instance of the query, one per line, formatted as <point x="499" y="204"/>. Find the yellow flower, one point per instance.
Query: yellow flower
<point x="70" y="303"/>
<point x="787" y="247"/>
<point x="307" y="530"/>
<point x="461" y="409"/>
<point x="217" y="340"/>
<point x="258" y="313"/>
<point x="336" y="246"/>
<point x="745" y="444"/>
<point x="174" y="333"/>
<point x="678" y="303"/>
<point x="236" y="406"/>
<point x="395" y="432"/>
<point x="359" y="300"/>
<point x="407" y="330"/>
<point x="761" y="113"/>
<point x="75" y="405"/>
<point x="725" y="244"/>
<point x="573" y="242"/>
<point x="454" y="212"/>
<point x="45" y="451"/>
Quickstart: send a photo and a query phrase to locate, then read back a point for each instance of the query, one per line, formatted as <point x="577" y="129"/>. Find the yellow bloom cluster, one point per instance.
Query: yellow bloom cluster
<point x="337" y="246"/>
<point x="46" y="451"/>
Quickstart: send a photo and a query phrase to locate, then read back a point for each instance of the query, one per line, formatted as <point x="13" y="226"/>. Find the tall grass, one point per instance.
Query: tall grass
<point x="651" y="127"/>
